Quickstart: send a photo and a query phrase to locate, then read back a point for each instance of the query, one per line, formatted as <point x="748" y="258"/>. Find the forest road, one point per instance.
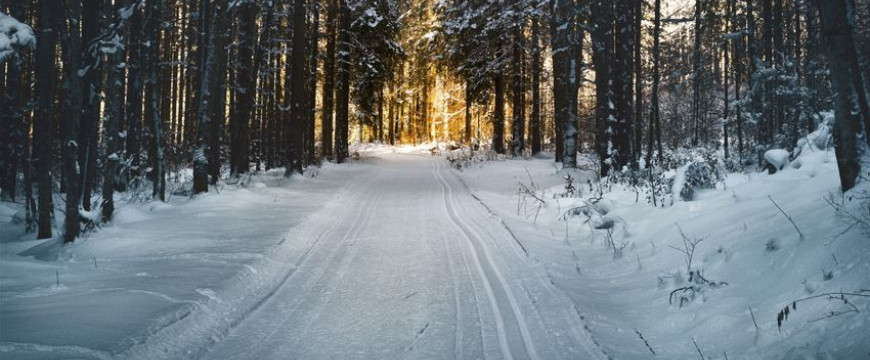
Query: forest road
<point x="410" y="267"/>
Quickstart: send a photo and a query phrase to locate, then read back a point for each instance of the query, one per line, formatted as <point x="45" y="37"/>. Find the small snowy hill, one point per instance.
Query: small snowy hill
<point x="625" y="264"/>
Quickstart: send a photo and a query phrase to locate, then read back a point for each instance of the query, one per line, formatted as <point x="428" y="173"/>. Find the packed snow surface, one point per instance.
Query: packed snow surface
<point x="397" y="254"/>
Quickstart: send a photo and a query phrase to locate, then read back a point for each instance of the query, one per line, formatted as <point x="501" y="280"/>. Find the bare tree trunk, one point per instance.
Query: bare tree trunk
<point x="498" y="118"/>
<point x="312" y="83"/>
<point x="89" y="135"/>
<point x="242" y="108"/>
<point x="697" y="77"/>
<point x="638" y="82"/>
<point x="329" y="79"/>
<point x="135" y="85"/>
<point x="518" y="143"/>
<point x="298" y="99"/>
<point x="535" y="121"/>
<point x="843" y="62"/>
<point x="114" y="113"/>
<point x="13" y="137"/>
<point x="466" y="135"/>
<point x="208" y="15"/>
<point x="49" y="25"/>
<point x="655" y="131"/>
<point x="342" y="91"/>
<point x="218" y="83"/>
<point x="72" y="107"/>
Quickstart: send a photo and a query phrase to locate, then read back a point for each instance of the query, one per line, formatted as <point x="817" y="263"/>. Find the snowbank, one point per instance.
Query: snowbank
<point x="624" y="264"/>
<point x="132" y="288"/>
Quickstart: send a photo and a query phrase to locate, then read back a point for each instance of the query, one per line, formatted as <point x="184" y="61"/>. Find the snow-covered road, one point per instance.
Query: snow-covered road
<point x="408" y="265"/>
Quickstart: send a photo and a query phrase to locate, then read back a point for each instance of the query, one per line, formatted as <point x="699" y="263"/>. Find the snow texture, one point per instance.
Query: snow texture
<point x="396" y="254"/>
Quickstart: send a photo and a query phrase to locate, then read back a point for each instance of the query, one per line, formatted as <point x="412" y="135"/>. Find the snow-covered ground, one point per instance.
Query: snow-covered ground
<point x="397" y="254"/>
<point x="747" y="243"/>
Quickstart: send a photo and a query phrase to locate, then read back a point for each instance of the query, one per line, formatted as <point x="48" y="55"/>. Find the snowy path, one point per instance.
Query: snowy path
<point x="408" y="266"/>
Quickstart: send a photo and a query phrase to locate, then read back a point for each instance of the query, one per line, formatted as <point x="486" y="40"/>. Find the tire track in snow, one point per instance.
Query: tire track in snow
<point x="494" y="283"/>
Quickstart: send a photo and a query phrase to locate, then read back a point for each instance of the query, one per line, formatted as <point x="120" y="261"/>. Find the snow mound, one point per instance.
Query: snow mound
<point x="777" y="158"/>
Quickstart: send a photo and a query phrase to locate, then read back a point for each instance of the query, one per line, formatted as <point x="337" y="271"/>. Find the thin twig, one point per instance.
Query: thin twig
<point x="786" y="216"/>
<point x="753" y="318"/>
<point x="697" y="348"/>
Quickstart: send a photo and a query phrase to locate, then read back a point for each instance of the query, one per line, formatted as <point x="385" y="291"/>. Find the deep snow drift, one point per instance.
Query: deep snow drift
<point x="398" y="254"/>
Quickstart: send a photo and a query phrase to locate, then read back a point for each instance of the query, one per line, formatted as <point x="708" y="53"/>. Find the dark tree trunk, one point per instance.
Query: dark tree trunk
<point x="518" y="143"/>
<point x="299" y="111"/>
<point x="329" y="79"/>
<point x="135" y="82"/>
<point x="843" y="62"/>
<point x="535" y="121"/>
<point x="13" y="139"/>
<point x="89" y="135"/>
<point x="242" y="108"/>
<point x="655" y="130"/>
<point x="697" y="77"/>
<point x="152" y="28"/>
<point x="72" y="107"/>
<point x="638" y="82"/>
<point x="112" y="120"/>
<point x="498" y="117"/>
<point x="203" y="126"/>
<point x="603" y="60"/>
<point x="566" y="68"/>
<point x="342" y="91"/>
<point x="737" y="59"/>
<point x="218" y="82"/>
<point x="466" y="135"/>
<point x="310" y="156"/>
<point x="49" y="26"/>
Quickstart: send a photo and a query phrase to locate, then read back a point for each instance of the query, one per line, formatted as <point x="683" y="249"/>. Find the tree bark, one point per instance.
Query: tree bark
<point x="843" y="62"/>
<point x="535" y="120"/>
<point x="72" y="107"/>
<point x="245" y="90"/>
<point x="342" y="91"/>
<point x="113" y="118"/>
<point x="49" y="25"/>
<point x="153" y="98"/>
<point x="311" y="90"/>
<point x="328" y="92"/>
<point x="298" y="97"/>
<point x="518" y="143"/>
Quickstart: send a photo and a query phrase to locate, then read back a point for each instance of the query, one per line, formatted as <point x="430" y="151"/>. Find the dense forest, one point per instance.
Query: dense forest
<point x="126" y="96"/>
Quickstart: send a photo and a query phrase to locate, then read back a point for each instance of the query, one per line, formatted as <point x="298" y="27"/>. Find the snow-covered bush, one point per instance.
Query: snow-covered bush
<point x="679" y="173"/>
<point x="14" y="36"/>
<point x="464" y="156"/>
<point x="699" y="175"/>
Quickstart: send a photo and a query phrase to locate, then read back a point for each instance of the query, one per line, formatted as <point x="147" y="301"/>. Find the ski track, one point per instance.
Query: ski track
<point x="505" y="316"/>
<point x="409" y="266"/>
<point x="299" y="264"/>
